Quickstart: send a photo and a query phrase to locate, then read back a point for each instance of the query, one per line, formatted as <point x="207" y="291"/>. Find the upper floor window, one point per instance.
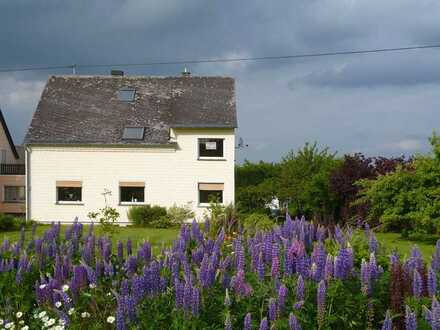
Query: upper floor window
<point x="69" y="191"/>
<point x="14" y="194"/>
<point x="211" y="148"/>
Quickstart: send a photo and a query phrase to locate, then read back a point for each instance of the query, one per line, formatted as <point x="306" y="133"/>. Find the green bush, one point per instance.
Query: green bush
<point x="178" y="214"/>
<point x="163" y="221"/>
<point x="145" y="215"/>
<point x="257" y="222"/>
<point x="9" y="222"/>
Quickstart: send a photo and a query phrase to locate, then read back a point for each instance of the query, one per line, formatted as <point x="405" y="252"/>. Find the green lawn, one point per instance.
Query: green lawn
<point x="156" y="237"/>
<point x="394" y="241"/>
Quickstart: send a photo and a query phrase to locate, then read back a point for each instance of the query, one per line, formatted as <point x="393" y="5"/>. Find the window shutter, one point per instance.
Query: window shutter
<point x="211" y="186"/>
<point x="74" y="184"/>
<point x="131" y="184"/>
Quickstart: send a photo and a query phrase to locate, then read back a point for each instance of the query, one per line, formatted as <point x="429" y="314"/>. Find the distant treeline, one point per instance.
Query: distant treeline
<point x="397" y="192"/>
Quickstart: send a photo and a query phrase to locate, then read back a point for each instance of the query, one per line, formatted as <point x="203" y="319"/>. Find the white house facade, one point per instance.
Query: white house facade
<point x="172" y="143"/>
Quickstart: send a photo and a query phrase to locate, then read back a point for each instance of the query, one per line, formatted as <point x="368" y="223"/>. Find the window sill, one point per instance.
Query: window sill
<point x="212" y="158"/>
<point x="206" y="205"/>
<point x="68" y="203"/>
<point x="14" y="202"/>
<point x="131" y="203"/>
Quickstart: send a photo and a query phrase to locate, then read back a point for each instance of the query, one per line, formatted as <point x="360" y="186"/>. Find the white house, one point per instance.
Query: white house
<point x="131" y="141"/>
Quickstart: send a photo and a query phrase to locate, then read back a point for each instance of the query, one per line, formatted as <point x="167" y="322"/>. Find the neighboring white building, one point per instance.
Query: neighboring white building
<point x="146" y="140"/>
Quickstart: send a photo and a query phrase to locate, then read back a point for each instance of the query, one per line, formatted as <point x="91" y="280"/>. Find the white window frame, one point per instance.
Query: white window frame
<point x="209" y="157"/>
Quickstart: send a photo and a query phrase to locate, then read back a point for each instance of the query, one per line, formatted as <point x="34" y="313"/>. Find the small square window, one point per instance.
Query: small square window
<point x="133" y="133"/>
<point x="210" y="193"/>
<point x="14" y="194"/>
<point x="210" y="147"/>
<point x="69" y="194"/>
<point x="132" y="194"/>
<point x="127" y="94"/>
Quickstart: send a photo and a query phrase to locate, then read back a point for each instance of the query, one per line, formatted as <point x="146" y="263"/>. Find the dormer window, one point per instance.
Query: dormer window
<point x="133" y="133"/>
<point x="127" y="94"/>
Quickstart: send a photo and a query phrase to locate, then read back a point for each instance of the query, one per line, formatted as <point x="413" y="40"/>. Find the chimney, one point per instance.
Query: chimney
<point x="186" y="73"/>
<point x="118" y="73"/>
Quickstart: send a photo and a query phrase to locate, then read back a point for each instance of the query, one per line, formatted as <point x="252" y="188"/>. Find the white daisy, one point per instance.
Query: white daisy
<point x="71" y="311"/>
<point x="42" y="314"/>
<point x="42" y="286"/>
<point x="84" y="315"/>
<point x="111" y="319"/>
<point x="25" y="327"/>
<point x="58" y="304"/>
<point x="19" y="315"/>
<point x="65" y="288"/>
<point x="92" y="285"/>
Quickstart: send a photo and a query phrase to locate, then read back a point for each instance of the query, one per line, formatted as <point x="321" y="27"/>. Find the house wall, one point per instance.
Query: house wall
<point x="6" y="149"/>
<point x="171" y="175"/>
<point x="18" y="208"/>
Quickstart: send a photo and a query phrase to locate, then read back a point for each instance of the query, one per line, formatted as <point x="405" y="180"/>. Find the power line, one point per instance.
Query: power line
<point x="218" y="60"/>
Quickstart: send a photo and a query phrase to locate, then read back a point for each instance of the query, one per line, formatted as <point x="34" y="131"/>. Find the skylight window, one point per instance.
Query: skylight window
<point x="133" y="133"/>
<point x="127" y="94"/>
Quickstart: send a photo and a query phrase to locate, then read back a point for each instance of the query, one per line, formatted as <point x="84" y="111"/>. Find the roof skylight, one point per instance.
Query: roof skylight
<point x="127" y="94"/>
<point x="133" y="133"/>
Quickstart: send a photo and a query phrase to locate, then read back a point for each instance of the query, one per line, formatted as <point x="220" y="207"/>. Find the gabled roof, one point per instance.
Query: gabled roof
<point x="8" y="136"/>
<point x="87" y="109"/>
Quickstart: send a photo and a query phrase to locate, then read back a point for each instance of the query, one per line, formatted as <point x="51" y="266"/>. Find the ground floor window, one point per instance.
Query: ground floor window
<point x="132" y="192"/>
<point x="15" y="194"/>
<point x="210" y="192"/>
<point x="69" y="191"/>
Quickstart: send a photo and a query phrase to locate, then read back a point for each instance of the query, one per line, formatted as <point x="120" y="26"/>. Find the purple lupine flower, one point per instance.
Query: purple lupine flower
<point x="264" y="324"/>
<point x="131" y="265"/>
<point x="272" y="309"/>
<point x="129" y="247"/>
<point x="344" y="263"/>
<point x="293" y="322"/>
<point x="281" y="300"/>
<point x="431" y="282"/>
<point x="239" y="284"/>
<point x="417" y="285"/>
<point x="365" y="277"/>
<point x="372" y="243"/>
<point x="239" y="255"/>
<point x="275" y="268"/>
<point x="410" y="319"/>
<point x="79" y="279"/>
<point x="204" y="271"/>
<point x="321" y="302"/>
<point x="329" y="268"/>
<point x="387" y="323"/>
<point x="195" y="301"/>
<point x="260" y="266"/>
<point x="120" y="250"/>
<point x="433" y="316"/>
<point x="179" y="292"/>
<point x="319" y="258"/>
<point x="435" y="263"/>
<point x="120" y="319"/>
<point x="228" y="323"/>
<point x="247" y="324"/>
<point x="300" y="288"/>
<point x="187" y="297"/>
<point x="372" y="265"/>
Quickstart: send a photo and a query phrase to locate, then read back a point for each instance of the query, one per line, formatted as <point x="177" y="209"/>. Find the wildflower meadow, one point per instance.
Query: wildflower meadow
<point x="299" y="275"/>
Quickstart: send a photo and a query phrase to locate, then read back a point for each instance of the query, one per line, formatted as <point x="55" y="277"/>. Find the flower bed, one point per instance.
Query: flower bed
<point x="298" y="276"/>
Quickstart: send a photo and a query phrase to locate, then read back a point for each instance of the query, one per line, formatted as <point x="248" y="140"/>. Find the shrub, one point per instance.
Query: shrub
<point x="9" y="222"/>
<point x="178" y="214"/>
<point x="163" y="221"/>
<point x="144" y="215"/>
<point x="257" y="222"/>
<point x="107" y="217"/>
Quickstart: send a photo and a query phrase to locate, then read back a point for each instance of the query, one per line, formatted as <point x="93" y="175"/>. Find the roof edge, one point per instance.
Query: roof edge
<point x="8" y="135"/>
<point x="102" y="145"/>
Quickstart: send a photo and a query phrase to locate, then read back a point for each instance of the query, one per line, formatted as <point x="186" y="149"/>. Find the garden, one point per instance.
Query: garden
<point x="360" y="251"/>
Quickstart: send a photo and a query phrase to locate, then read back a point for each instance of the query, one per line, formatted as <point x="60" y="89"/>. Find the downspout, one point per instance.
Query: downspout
<point x="27" y="182"/>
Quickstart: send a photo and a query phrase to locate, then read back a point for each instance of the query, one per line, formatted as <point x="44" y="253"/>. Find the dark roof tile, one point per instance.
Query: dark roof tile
<point x="87" y="110"/>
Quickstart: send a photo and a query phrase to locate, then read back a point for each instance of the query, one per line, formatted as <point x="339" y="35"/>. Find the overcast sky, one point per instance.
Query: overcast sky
<point x="379" y="104"/>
